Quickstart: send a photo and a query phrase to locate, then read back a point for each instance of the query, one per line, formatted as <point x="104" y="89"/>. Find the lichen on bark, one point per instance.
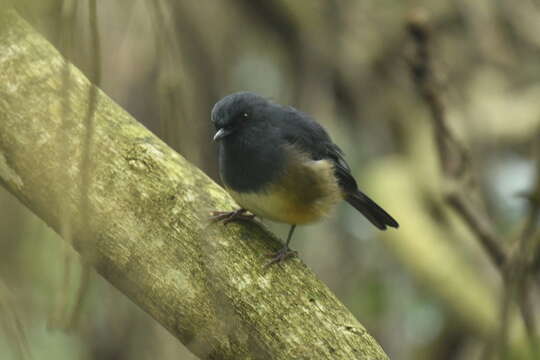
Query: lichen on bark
<point x="147" y="224"/>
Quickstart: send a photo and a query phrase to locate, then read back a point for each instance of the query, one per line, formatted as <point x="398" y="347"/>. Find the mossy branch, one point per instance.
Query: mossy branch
<point x="145" y="230"/>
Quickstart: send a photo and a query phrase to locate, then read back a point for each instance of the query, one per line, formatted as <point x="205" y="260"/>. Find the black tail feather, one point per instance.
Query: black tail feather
<point x="373" y="212"/>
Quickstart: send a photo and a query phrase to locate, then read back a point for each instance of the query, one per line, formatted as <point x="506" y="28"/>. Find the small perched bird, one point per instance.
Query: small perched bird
<point x="279" y="164"/>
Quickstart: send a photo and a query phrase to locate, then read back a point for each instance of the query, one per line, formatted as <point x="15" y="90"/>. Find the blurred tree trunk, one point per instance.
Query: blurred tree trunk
<point x="144" y="228"/>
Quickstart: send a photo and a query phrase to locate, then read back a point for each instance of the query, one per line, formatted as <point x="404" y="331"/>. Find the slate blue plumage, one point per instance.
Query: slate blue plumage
<point x="251" y="154"/>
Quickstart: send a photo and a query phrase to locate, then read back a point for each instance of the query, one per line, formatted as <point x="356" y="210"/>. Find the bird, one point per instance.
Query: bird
<point x="279" y="164"/>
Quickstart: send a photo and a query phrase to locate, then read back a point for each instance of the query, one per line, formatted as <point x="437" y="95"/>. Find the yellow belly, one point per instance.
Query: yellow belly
<point x="304" y="193"/>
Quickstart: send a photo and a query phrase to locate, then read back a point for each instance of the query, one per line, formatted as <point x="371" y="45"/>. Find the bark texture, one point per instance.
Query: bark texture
<point x="145" y="227"/>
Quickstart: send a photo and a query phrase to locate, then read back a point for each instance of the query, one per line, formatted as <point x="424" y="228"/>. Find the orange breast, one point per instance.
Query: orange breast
<point x="306" y="191"/>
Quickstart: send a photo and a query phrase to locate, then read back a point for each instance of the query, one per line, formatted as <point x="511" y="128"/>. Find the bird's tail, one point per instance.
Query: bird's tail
<point x="373" y="212"/>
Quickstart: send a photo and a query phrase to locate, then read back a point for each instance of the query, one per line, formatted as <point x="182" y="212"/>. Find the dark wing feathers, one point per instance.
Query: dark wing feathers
<point x="300" y="130"/>
<point x="309" y="136"/>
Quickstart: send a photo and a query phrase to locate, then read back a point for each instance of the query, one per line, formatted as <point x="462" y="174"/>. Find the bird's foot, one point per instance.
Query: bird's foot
<point x="228" y="216"/>
<point x="280" y="256"/>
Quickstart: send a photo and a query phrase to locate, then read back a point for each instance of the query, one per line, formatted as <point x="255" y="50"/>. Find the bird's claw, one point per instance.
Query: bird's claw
<point x="280" y="256"/>
<point x="228" y="216"/>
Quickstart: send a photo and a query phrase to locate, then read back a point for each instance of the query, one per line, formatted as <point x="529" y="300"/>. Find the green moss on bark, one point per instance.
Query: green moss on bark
<point x="147" y="221"/>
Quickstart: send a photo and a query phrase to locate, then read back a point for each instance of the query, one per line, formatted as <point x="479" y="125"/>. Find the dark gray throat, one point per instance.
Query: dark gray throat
<point x="250" y="166"/>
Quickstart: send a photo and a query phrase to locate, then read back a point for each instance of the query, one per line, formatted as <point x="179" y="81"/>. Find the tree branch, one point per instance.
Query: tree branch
<point x="453" y="156"/>
<point x="146" y="221"/>
<point x="454" y="161"/>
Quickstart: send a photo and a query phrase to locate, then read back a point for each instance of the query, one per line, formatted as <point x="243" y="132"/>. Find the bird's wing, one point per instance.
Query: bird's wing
<point x="299" y="130"/>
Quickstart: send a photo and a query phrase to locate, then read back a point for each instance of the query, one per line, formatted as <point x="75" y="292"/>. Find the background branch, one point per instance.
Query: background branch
<point x="453" y="157"/>
<point x="455" y="164"/>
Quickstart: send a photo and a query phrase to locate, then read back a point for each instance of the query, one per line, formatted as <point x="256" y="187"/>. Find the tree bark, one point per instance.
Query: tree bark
<point x="145" y="228"/>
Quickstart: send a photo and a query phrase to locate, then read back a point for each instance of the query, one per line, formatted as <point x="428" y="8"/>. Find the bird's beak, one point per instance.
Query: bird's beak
<point x="221" y="133"/>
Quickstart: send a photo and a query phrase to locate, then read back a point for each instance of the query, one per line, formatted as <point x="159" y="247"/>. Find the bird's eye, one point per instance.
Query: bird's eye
<point x="245" y="116"/>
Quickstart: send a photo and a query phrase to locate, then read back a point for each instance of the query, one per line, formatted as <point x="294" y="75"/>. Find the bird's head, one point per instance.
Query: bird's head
<point x="236" y="112"/>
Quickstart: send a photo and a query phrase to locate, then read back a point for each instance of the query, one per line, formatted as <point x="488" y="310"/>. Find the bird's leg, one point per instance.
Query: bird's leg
<point x="228" y="216"/>
<point x="283" y="253"/>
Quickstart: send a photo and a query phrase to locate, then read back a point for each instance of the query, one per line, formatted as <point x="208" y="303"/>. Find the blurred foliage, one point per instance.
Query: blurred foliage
<point x="426" y="291"/>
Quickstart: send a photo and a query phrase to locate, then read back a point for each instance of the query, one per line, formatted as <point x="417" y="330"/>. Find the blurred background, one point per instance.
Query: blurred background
<point x="426" y="291"/>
